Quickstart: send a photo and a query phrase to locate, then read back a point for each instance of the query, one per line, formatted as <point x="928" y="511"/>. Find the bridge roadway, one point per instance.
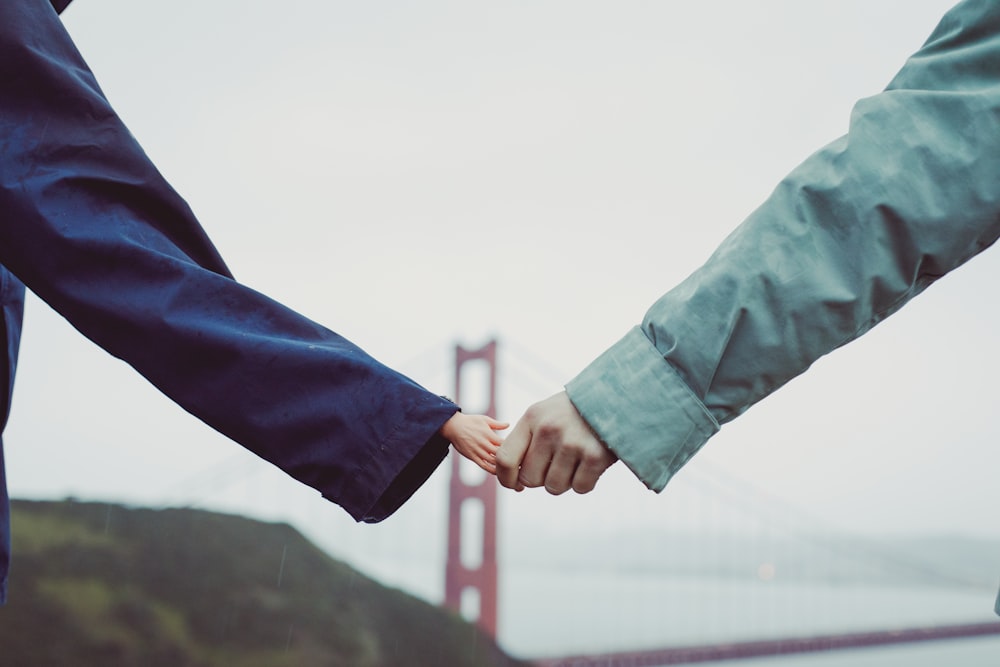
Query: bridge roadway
<point x="689" y="655"/>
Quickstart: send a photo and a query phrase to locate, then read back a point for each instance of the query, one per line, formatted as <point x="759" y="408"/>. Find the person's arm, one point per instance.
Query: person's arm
<point x="90" y="226"/>
<point x="860" y="228"/>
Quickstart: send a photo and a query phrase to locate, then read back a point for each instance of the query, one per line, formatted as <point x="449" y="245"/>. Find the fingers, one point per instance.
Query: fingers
<point x="496" y="425"/>
<point x="591" y="468"/>
<point x="488" y="463"/>
<point x="552" y="446"/>
<point x="481" y="456"/>
<point x="511" y="453"/>
<point x="585" y="478"/>
<point x="560" y="474"/>
<point x="535" y="464"/>
<point x="481" y="453"/>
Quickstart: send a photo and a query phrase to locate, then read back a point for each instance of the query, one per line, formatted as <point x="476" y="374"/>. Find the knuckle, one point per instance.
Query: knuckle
<point x="549" y="432"/>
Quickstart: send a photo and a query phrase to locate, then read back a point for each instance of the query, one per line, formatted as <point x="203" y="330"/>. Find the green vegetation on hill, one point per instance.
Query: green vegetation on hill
<point x="98" y="584"/>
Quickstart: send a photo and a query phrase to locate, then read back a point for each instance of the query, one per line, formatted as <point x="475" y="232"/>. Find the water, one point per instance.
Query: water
<point x="547" y="613"/>
<point x="982" y="652"/>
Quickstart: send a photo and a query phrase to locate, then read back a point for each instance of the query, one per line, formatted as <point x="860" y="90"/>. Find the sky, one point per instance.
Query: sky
<point x="419" y="174"/>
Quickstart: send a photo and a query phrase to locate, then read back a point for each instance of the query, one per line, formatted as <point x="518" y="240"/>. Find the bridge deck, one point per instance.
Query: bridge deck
<point x="689" y="655"/>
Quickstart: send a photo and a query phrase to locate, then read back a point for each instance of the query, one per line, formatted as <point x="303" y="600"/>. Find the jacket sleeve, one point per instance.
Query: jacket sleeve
<point x="89" y="225"/>
<point x="845" y="240"/>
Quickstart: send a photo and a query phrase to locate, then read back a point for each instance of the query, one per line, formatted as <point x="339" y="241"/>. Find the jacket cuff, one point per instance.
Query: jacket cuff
<point x="393" y="470"/>
<point x="639" y="406"/>
<point x="411" y="478"/>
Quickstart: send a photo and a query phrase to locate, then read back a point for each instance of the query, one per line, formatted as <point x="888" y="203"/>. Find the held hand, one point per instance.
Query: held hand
<point x="475" y="437"/>
<point x="552" y="446"/>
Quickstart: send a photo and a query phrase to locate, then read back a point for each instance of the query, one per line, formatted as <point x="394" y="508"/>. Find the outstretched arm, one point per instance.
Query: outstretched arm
<point x="849" y="237"/>
<point x="89" y="224"/>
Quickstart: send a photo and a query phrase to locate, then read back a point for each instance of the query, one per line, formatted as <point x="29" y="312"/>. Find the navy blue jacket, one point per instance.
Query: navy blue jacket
<point x="90" y="226"/>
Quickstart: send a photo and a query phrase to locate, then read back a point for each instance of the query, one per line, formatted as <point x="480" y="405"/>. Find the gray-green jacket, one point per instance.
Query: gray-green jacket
<point x="857" y="230"/>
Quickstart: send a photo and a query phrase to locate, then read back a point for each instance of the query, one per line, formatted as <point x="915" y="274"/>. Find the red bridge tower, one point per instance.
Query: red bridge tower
<point x="471" y="587"/>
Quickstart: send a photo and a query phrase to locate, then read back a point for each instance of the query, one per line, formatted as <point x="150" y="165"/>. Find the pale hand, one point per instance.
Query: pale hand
<point x="552" y="446"/>
<point x="475" y="437"/>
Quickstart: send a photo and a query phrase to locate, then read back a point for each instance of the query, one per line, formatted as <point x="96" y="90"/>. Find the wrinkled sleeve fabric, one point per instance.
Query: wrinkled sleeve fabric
<point x="861" y="227"/>
<point x="89" y="225"/>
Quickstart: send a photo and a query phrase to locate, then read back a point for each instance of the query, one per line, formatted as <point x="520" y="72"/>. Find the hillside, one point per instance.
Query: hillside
<point x="97" y="584"/>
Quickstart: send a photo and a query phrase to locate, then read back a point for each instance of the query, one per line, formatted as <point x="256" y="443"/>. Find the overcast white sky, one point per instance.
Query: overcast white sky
<point x="412" y="174"/>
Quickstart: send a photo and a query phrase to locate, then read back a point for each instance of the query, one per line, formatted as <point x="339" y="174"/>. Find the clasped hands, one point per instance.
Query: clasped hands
<point x="551" y="446"/>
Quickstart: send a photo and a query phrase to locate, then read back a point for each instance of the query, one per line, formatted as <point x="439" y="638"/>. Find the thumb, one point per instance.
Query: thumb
<point x="511" y="453"/>
<point x="496" y="425"/>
